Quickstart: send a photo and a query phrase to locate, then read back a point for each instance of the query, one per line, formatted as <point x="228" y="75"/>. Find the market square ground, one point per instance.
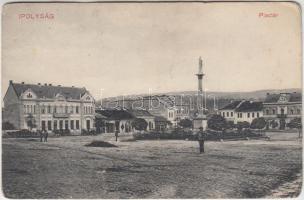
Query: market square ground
<point x="65" y="168"/>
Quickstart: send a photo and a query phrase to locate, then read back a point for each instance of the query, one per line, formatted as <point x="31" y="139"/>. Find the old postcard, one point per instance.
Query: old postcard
<point x="151" y="100"/>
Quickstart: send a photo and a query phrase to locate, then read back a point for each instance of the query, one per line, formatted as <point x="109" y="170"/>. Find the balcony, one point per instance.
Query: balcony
<point x="281" y="115"/>
<point x="61" y="115"/>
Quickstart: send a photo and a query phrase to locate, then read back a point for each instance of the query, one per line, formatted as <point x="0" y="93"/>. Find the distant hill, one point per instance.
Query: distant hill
<point x="252" y="95"/>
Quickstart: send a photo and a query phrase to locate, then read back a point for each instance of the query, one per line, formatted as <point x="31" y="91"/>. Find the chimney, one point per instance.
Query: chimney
<point x="45" y="84"/>
<point x="39" y="83"/>
<point x="10" y="81"/>
<point x="72" y="85"/>
<point x="50" y="84"/>
<point x="22" y="82"/>
<point x="59" y="85"/>
<point x="267" y="93"/>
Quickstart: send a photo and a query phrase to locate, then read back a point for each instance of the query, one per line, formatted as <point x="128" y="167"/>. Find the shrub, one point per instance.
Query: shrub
<point x="258" y="123"/>
<point x="242" y="125"/>
<point x="217" y="122"/>
<point x="185" y="123"/>
<point x="24" y="133"/>
<point x="7" y="126"/>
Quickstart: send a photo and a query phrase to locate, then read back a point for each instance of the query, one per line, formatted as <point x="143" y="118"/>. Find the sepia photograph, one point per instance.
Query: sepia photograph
<point x="151" y="100"/>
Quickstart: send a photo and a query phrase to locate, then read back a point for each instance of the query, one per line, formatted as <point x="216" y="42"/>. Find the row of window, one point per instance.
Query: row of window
<point x="60" y="125"/>
<point x="227" y="114"/>
<point x="282" y="111"/>
<point x="240" y="115"/>
<point x="57" y="109"/>
<point x="88" y="109"/>
<point x="183" y="111"/>
<point x="249" y="115"/>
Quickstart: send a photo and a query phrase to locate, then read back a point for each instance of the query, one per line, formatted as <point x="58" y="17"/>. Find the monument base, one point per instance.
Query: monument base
<point x="199" y="122"/>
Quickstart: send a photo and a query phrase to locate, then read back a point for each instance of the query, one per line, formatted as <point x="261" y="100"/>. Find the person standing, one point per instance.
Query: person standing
<point x="41" y="135"/>
<point x="46" y="134"/>
<point x="201" y="140"/>
<point x="116" y="135"/>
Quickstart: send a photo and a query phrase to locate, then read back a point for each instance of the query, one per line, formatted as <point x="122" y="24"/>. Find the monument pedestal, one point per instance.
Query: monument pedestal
<point x="200" y="122"/>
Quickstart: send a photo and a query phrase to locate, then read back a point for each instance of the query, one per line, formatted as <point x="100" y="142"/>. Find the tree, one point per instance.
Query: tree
<point x="230" y="125"/>
<point x="258" y="123"/>
<point x="242" y="125"/>
<point x="217" y="122"/>
<point x="185" y="123"/>
<point x="139" y="124"/>
<point x="296" y="123"/>
<point x="273" y="124"/>
<point x="7" y="126"/>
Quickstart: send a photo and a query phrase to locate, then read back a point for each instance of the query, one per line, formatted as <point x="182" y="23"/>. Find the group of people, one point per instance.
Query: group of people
<point x="43" y="135"/>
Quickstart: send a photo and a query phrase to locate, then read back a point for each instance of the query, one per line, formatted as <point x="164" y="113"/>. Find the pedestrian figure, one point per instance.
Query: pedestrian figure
<point x="46" y="134"/>
<point x="116" y="135"/>
<point x="201" y="140"/>
<point x="41" y="135"/>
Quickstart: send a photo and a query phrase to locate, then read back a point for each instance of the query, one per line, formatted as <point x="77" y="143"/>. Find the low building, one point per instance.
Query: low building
<point x="282" y="108"/>
<point x="161" y="123"/>
<point x="228" y="111"/>
<point x="112" y="120"/>
<point x="158" y="105"/>
<point x="248" y="111"/>
<point x="240" y="111"/>
<point x="144" y="114"/>
<point x="44" y="106"/>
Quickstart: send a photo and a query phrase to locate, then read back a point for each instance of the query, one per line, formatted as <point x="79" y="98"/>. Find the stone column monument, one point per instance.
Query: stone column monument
<point x="200" y="119"/>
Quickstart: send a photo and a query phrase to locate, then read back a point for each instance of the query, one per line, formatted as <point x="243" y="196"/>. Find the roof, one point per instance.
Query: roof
<point x="289" y="97"/>
<point x="231" y="106"/>
<point x="49" y="91"/>
<point x="160" y="119"/>
<point x="140" y="113"/>
<point x="100" y="116"/>
<point x="115" y="114"/>
<point x="249" y="106"/>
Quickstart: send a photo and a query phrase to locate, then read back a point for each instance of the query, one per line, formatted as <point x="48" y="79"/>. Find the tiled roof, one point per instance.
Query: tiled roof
<point x="140" y="113"/>
<point x="160" y="119"/>
<point x="249" y="106"/>
<point x="292" y="97"/>
<point x="50" y="91"/>
<point x="231" y="106"/>
<point x="113" y="114"/>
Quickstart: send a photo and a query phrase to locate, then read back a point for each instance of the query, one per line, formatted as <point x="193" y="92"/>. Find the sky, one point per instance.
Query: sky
<point x="135" y="48"/>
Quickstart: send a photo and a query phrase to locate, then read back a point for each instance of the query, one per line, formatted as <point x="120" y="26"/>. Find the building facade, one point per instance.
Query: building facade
<point x="282" y="108"/>
<point x="240" y="111"/>
<point x="44" y="106"/>
<point x="144" y="114"/>
<point x="114" y="120"/>
<point x="171" y="108"/>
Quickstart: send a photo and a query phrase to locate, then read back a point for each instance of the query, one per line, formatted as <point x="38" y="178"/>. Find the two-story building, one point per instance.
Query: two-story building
<point x="282" y="108"/>
<point x="49" y="107"/>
